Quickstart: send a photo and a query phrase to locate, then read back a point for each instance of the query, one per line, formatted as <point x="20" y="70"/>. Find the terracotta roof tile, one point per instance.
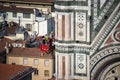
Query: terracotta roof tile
<point x="45" y="2"/>
<point x="11" y="29"/>
<point x="29" y="52"/>
<point x="8" y="70"/>
<point x="16" y="9"/>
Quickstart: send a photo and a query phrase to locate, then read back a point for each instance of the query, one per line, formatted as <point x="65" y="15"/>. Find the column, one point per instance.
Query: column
<point x="56" y="67"/>
<point x="59" y="27"/>
<point x="60" y="67"/>
<point x="72" y="26"/>
<point x="67" y="27"/>
<point x="67" y="67"/>
<point x="63" y="27"/>
<point x="119" y="78"/>
<point x="88" y="31"/>
<point x="56" y="26"/>
<point x="72" y="65"/>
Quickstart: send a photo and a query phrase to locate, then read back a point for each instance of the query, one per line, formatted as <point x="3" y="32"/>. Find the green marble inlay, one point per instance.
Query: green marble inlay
<point x="104" y="19"/>
<point x="60" y="51"/>
<point x="101" y="60"/>
<point x="109" y="32"/>
<point x="72" y="3"/>
<point x="103" y="48"/>
<point x="104" y="5"/>
<point x="70" y="10"/>
<point x="73" y="41"/>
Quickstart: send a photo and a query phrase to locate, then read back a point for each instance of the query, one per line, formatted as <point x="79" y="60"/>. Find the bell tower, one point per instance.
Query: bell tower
<point x="72" y="33"/>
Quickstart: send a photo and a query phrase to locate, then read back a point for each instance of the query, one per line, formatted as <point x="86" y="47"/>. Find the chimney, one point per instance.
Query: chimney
<point x="7" y="48"/>
<point x="42" y="54"/>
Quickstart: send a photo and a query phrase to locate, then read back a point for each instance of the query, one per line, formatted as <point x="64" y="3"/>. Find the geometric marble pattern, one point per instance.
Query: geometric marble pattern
<point x="80" y="63"/>
<point x="80" y="26"/>
<point x="97" y="18"/>
<point x="100" y="60"/>
<point x="102" y="3"/>
<point x="113" y="37"/>
<point x="103" y="16"/>
<point x="106" y="31"/>
<point x="113" y="74"/>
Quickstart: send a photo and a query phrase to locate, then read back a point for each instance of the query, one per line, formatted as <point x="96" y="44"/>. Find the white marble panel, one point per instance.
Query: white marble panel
<point x="81" y="61"/>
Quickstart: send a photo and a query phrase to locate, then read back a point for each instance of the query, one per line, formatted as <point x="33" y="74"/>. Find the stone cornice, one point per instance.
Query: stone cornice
<point x="103" y="53"/>
<point x="71" y="3"/>
<point x="71" y="49"/>
<point x="73" y="7"/>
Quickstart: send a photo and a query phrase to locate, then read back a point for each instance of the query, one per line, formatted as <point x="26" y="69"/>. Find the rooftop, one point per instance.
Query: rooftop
<point x="16" y="9"/>
<point x="29" y="52"/>
<point x="47" y="2"/>
<point x="8" y="71"/>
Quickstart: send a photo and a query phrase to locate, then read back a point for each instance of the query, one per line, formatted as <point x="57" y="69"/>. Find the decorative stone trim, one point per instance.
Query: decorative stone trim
<point x="99" y="56"/>
<point x="72" y="41"/>
<point x="116" y="35"/>
<point x="102" y="15"/>
<point x="93" y="71"/>
<point x="108" y="69"/>
<point x="72" y="48"/>
<point x="71" y="3"/>
<point x="74" y="7"/>
<point x="80" y="67"/>
<point x="95" y="10"/>
<point x="105" y="32"/>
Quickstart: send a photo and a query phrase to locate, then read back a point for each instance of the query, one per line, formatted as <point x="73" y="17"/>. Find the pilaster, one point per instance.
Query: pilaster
<point x="67" y="67"/>
<point x="60" y="67"/>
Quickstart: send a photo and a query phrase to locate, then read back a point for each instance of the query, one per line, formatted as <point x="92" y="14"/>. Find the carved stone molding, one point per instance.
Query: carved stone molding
<point x="72" y="48"/>
<point x="102" y="54"/>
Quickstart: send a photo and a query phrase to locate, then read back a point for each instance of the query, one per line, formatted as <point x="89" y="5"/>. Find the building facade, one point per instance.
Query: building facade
<point x="44" y="5"/>
<point x="33" y="57"/>
<point x="3" y="42"/>
<point x="87" y="39"/>
<point x="22" y="13"/>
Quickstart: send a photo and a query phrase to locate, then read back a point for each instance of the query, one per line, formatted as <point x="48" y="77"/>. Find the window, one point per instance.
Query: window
<point x="46" y="73"/>
<point x="36" y="72"/>
<point x="0" y="13"/>
<point x="14" y="14"/>
<point x="46" y="62"/>
<point x="13" y="63"/>
<point x="36" y="62"/>
<point x="26" y="15"/>
<point x="28" y="27"/>
<point x="25" y="61"/>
